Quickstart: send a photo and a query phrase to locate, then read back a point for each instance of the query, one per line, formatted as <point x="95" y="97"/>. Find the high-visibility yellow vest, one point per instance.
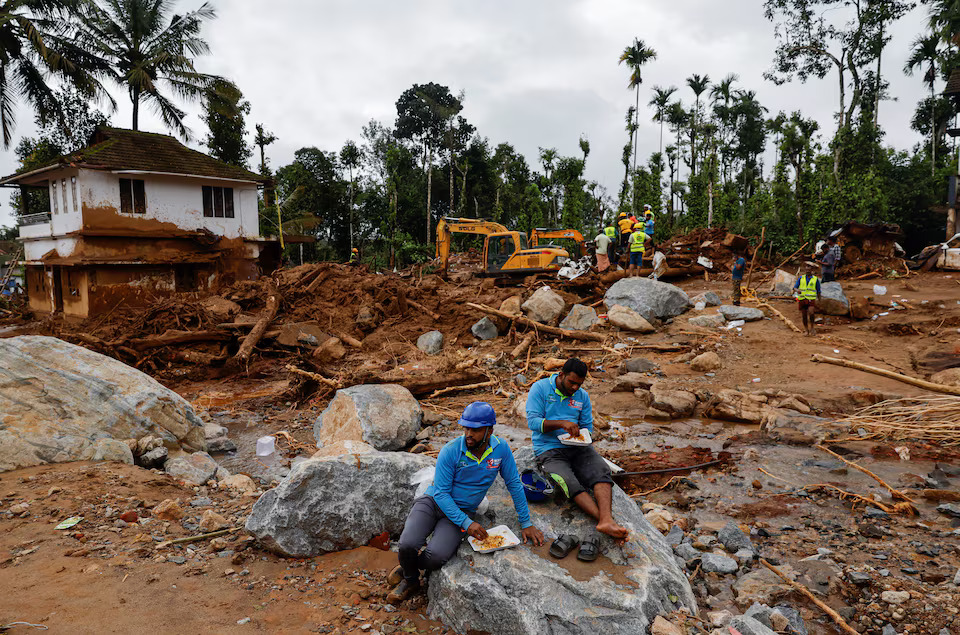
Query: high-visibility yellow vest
<point x="636" y="243"/>
<point x="610" y="232"/>
<point x="808" y="288"/>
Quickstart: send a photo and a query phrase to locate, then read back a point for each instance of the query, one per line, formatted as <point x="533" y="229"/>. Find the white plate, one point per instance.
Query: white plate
<point x="565" y="438"/>
<point x="509" y="539"/>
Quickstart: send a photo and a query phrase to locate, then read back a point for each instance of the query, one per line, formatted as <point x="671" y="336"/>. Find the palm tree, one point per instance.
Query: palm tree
<point x="32" y="48"/>
<point x="678" y="118"/>
<point x="722" y="94"/>
<point x="150" y="52"/>
<point x="698" y="85"/>
<point x="547" y="157"/>
<point x="925" y="51"/>
<point x="660" y="101"/>
<point x="635" y="57"/>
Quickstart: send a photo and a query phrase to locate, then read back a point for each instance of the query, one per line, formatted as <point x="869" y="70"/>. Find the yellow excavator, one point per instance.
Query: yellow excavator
<point x="505" y="252"/>
<point x="546" y="233"/>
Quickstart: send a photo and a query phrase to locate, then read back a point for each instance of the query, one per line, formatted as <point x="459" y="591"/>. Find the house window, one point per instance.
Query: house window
<point x="53" y="196"/>
<point x="133" y="197"/>
<point x="73" y="187"/>
<point x="63" y="186"/>
<point x="217" y="202"/>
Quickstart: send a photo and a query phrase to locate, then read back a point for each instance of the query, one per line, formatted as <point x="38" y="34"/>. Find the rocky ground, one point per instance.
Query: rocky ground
<point x="661" y="407"/>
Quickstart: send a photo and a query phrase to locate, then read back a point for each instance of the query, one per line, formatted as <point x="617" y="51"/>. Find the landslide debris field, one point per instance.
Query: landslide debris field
<point x="737" y="448"/>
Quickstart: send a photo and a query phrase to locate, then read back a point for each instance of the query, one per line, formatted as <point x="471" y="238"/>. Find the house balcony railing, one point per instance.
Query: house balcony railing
<point x="34" y="219"/>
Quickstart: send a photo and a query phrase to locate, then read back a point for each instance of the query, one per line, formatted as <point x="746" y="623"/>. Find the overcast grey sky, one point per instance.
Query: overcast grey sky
<point x="535" y="73"/>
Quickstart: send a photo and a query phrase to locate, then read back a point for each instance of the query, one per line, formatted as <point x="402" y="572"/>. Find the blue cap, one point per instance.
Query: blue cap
<point x="479" y="414"/>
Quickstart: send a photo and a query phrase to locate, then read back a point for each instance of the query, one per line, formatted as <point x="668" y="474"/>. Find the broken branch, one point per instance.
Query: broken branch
<point x="423" y="309"/>
<point x="313" y="376"/>
<point x="443" y="391"/>
<point x="897" y="494"/>
<point x="810" y="596"/>
<point x="913" y="381"/>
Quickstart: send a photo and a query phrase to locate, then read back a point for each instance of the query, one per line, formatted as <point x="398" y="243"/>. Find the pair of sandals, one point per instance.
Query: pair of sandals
<point x="565" y="543"/>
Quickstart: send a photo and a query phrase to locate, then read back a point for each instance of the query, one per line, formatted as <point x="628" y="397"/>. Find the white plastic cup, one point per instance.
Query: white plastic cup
<point x="266" y="446"/>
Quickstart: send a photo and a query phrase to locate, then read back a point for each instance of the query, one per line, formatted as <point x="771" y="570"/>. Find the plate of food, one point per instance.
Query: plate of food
<point x="499" y="537"/>
<point x="582" y="439"/>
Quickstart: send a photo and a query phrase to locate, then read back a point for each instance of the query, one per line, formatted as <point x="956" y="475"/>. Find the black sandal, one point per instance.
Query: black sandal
<point x="589" y="550"/>
<point x="563" y="545"/>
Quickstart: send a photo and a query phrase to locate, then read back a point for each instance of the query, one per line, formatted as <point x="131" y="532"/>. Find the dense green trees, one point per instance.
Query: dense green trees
<point x="385" y="192"/>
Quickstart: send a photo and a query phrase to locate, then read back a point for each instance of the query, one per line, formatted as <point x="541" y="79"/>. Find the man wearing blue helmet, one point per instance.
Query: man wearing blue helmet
<point x="466" y="468"/>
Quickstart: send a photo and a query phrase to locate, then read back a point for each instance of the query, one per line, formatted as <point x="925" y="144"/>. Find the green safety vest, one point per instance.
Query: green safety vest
<point x="610" y="232"/>
<point x="636" y="242"/>
<point x="808" y="288"/>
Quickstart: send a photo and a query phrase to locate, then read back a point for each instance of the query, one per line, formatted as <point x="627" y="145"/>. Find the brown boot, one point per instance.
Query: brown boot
<point x="395" y="577"/>
<point x="403" y="591"/>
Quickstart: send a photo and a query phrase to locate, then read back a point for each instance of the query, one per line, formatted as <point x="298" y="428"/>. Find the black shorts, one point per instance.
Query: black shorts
<point x="574" y="469"/>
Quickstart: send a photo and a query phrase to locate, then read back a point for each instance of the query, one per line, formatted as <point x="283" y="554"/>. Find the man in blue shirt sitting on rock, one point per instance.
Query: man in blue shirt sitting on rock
<point x="466" y="468"/>
<point x="555" y="405"/>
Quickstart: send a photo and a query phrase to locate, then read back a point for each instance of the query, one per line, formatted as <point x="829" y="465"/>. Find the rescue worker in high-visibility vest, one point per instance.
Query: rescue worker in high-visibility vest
<point x="354" y="256"/>
<point x="625" y="225"/>
<point x="807" y="292"/>
<point x="637" y="239"/>
<point x="611" y="232"/>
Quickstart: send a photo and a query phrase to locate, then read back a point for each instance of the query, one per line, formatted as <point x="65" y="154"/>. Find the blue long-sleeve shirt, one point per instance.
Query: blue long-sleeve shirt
<point x="461" y="480"/>
<point x="546" y="403"/>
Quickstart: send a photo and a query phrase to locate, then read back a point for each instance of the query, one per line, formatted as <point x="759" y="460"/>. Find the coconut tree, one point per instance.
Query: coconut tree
<point x="698" y="84"/>
<point x="150" y="52"/>
<point x="722" y="95"/>
<point x="635" y="56"/>
<point x="660" y="101"/>
<point x="925" y="50"/>
<point x="33" y="48"/>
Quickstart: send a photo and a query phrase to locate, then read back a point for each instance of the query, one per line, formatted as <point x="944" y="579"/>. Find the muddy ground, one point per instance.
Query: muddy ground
<point x="108" y="575"/>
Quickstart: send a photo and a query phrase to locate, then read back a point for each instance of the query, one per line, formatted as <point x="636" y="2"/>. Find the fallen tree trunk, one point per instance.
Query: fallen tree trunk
<point x="199" y="358"/>
<point x="263" y="321"/>
<point x="913" y="381"/>
<point x="423" y="387"/>
<point x="315" y="284"/>
<point x="553" y="330"/>
<point x="171" y="337"/>
<point x="669" y="272"/>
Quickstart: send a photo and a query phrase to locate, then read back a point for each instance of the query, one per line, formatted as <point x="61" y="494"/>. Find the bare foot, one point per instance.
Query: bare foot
<point x="613" y="530"/>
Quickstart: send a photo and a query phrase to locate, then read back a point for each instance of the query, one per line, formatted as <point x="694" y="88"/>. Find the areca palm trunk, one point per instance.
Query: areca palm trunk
<point x="933" y="126"/>
<point x="636" y="135"/>
<point x="135" y="98"/>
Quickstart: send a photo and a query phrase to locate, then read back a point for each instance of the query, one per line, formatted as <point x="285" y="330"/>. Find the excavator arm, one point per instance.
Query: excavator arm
<point x="449" y="226"/>
<point x="541" y="233"/>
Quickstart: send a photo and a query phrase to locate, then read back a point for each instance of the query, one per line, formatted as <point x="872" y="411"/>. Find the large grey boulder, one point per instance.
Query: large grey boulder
<point x="710" y="321"/>
<point x="58" y="401"/>
<point x="627" y="319"/>
<point x="544" y="306"/>
<point x="580" y="318"/>
<point x="650" y="298"/>
<point x="386" y="416"/>
<point x="832" y="299"/>
<point x="485" y="329"/>
<point x="430" y="343"/>
<point x="745" y="313"/>
<point x="338" y="502"/>
<point x="519" y="592"/>
<point x="194" y="469"/>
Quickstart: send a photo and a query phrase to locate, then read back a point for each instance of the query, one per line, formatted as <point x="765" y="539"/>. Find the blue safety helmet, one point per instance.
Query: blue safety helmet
<point x="535" y="486"/>
<point x="479" y="414"/>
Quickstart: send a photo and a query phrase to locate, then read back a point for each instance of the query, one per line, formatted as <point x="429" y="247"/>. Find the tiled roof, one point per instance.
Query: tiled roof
<point x="953" y="84"/>
<point x="121" y="149"/>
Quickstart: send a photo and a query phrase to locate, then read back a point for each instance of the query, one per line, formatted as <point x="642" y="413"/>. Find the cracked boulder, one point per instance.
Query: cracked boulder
<point x="60" y="402"/>
<point x="386" y="416"/>
<point x="337" y="502"/>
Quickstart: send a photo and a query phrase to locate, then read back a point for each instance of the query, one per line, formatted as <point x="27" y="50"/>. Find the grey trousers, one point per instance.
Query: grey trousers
<point x="425" y="517"/>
